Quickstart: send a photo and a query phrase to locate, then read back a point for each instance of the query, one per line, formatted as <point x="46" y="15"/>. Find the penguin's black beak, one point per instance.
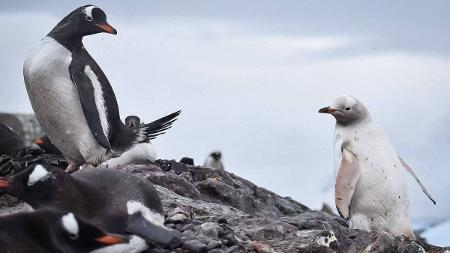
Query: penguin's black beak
<point x="4" y="183"/>
<point x="327" y="110"/>
<point x="111" y="239"/>
<point x="107" y="28"/>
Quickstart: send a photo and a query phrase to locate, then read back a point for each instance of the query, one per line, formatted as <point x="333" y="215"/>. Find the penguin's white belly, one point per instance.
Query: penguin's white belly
<point x="213" y="163"/>
<point x="55" y="101"/>
<point x="380" y="200"/>
<point x="141" y="152"/>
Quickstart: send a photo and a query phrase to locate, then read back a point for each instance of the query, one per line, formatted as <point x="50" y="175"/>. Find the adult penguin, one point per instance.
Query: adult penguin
<point x="72" y="98"/>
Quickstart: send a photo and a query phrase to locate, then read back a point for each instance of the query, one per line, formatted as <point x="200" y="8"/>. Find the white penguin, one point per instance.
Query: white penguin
<point x="214" y="160"/>
<point x="370" y="190"/>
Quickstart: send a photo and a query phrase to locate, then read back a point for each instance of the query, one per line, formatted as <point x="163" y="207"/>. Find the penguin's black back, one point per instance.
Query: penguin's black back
<point x="100" y="196"/>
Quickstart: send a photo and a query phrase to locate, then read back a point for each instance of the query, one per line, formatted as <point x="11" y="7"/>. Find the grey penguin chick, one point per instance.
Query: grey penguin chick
<point x="113" y="200"/>
<point x="370" y="189"/>
<point x="51" y="230"/>
<point x="214" y="160"/>
<point x="72" y="97"/>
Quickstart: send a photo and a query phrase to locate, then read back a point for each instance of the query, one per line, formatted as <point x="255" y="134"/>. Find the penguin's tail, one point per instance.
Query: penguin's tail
<point x="151" y="130"/>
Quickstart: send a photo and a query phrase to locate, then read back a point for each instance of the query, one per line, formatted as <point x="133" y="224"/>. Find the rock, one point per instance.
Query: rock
<point x="218" y="212"/>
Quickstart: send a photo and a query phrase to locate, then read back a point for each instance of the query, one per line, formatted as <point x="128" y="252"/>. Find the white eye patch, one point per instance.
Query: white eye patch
<point x="70" y="224"/>
<point x="152" y="217"/>
<point x="88" y="11"/>
<point x="39" y="173"/>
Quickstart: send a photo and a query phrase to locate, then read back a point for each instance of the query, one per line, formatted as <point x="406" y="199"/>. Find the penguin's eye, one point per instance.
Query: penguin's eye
<point x="89" y="18"/>
<point x="347" y="108"/>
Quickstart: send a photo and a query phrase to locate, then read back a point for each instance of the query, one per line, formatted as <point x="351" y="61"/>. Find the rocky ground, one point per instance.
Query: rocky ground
<point x="219" y="212"/>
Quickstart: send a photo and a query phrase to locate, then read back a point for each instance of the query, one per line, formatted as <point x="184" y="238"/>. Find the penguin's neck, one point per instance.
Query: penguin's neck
<point x="73" y="43"/>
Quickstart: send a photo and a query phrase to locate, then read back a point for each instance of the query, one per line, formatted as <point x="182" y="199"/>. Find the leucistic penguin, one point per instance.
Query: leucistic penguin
<point x="113" y="200"/>
<point x="140" y="153"/>
<point x="72" y="98"/>
<point x="370" y="189"/>
<point x="214" y="160"/>
<point x="51" y="230"/>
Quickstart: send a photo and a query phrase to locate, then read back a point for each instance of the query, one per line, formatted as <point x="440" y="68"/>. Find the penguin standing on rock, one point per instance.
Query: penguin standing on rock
<point x="51" y="230"/>
<point x="214" y="161"/>
<point x="72" y="98"/>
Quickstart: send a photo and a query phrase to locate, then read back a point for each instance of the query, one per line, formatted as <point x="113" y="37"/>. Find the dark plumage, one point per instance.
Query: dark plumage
<point x="101" y="196"/>
<point x="10" y="141"/>
<point x="50" y="230"/>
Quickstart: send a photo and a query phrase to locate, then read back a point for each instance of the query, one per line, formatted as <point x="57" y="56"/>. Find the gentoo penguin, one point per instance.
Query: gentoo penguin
<point x="10" y="141"/>
<point x="139" y="153"/>
<point x="111" y="199"/>
<point x="46" y="144"/>
<point x="51" y="230"/>
<point x="370" y="188"/>
<point x="214" y="160"/>
<point x="72" y="98"/>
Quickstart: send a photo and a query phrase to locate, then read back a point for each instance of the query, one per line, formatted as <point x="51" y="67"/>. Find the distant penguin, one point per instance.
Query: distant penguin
<point x="10" y="141"/>
<point x="214" y="160"/>
<point x="139" y="153"/>
<point x="46" y="144"/>
<point x="370" y="188"/>
<point x="113" y="200"/>
<point x="50" y="230"/>
<point x="72" y="98"/>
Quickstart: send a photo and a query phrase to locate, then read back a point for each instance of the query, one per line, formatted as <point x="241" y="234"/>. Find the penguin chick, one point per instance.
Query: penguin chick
<point x="140" y="153"/>
<point x="51" y="230"/>
<point x="214" y="160"/>
<point x="113" y="200"/>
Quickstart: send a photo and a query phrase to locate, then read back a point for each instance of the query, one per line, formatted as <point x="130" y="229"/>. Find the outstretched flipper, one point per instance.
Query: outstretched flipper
<point x="149" y="225"/>
<point x="410" y="171"/>
<point x="151" y="130"/>
<point x="346" y="179"/>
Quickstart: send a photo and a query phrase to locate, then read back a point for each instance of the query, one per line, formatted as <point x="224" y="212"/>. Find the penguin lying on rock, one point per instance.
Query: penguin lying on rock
<point x="49" y="230"/>
<point x="72" y="98"/>
<point x="142" y="152"/>
<point x="113" y="200"/>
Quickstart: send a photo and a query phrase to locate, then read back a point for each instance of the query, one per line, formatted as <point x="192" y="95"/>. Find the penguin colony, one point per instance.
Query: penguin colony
<point x="105" y="210"/>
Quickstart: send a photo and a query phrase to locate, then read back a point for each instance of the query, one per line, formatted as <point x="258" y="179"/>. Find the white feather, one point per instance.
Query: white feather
<point x="141" y="152"/>
<point x="152" y="217"/>
<point x="70" y="224"/>
<point x="99" y="99"/>
<point x="88" y="10"/>
<point x="39" y="173"/>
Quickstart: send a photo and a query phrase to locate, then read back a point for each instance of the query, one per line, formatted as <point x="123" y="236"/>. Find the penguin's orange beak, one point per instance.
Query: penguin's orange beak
<point x="111" y="239"/>
<point x="4" y="183"/>
<point x="327" y="110"/>
<point x="39" y="141"/>
<point x="107" y="28"/>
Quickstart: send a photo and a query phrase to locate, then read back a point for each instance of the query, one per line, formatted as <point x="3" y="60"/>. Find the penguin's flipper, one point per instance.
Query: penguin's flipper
<point x="89" y="97"/>
<point x="410" y="171"/>
<point x="346" y="179"/>
<point x="151" y="130"/>
<point x="152" y="232"/>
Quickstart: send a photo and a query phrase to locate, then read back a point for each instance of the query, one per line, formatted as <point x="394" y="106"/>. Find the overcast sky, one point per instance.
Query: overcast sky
<point x="250" y="77"/>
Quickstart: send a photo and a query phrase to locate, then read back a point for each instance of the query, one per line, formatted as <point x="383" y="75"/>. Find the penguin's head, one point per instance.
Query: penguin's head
<point x="132" y="121"/>
<point x="33" y="184"/>
<point x="216" y="155"/>
<point x="77" y="234"/>
<point x="347" y="110"/>
<point x="85" y="20"/>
